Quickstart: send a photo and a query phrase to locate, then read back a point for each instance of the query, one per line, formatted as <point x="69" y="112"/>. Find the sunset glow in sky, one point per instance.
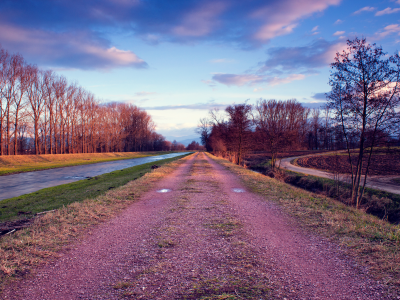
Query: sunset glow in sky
<point x="179" y="58"/>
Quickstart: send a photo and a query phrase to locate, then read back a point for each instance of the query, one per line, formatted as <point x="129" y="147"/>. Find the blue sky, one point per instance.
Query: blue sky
<point x="178" y="59"/>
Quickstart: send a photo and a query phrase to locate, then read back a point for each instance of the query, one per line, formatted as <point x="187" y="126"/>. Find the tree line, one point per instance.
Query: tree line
<point x="42" y="113"/>
<point x="278" y="126"/>
<point x="361" y="113"/>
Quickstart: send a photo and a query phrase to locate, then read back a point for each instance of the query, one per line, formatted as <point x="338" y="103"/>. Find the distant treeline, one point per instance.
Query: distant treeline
<point x="41" y="113"/>
<point x="275" y="127"/>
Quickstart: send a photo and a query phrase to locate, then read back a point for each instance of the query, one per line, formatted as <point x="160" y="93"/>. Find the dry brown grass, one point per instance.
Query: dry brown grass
<point x="22" y="252"/>
<point x="374" y="243"/>
<point x="22" y="163"/>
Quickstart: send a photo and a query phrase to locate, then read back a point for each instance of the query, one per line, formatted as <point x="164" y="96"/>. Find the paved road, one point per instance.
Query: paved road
<point x="23" y="183"/>
<point x="375" y="182"/>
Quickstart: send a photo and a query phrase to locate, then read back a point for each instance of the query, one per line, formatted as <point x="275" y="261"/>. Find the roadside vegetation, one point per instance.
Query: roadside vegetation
<point x="379" y="203"/>
<point x="17" y="212"/>
<point x="374" y="243"/>
<point x="26" y="249"/>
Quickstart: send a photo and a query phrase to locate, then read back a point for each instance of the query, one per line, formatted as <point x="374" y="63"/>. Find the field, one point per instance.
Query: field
<point x="383" y="162"/>
<point x="25" y="163"/>
<point x="260" y="160"/>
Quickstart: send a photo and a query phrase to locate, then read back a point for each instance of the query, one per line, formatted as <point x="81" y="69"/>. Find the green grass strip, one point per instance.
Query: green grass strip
<point x="47" y="163"/>
<point x="26" y="206"/>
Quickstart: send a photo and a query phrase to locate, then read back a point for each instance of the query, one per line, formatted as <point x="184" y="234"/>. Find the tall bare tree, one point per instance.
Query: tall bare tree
<point x="36" y="99"/>
<point x="365" y="95"/>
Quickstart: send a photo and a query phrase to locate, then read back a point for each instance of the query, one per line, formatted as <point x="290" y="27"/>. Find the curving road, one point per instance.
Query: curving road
<point x="375" y="182"/>
<point x="23" y="183"/>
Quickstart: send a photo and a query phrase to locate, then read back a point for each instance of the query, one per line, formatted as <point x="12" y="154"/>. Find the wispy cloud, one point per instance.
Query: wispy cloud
<point x="286" y="16"/>
<point x="78" y="49"/>
<point x="337" y="22"/>
<point x="253" y="79"/>
<point x="210" y="83"/>
<point x="364" y="9"/>
<point x="242" y="23"/>
<point x="285" y="64"/>
<point x="196" y="106"/>
<point x="238" y="79"/>
<point x="143" y="93"/>
<point x="315" y="28"/>
<point x="337" y="33"/>
<point x="200" y="21"/>
<point x="387" y="11"/>
<point x="279" y="80"/>
<point x="318" y="54"/>
<point x="388" y="30"/>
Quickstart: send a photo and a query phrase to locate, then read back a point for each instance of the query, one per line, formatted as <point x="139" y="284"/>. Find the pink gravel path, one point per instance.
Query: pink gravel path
<point x="312" y="267"/>
<point x="201" y="239"/>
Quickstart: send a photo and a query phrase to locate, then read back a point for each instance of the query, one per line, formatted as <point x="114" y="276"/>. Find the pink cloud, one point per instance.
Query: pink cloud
<point x="283" y="16"/>
<point x="237" y="80"/>
<point x="388" y="30"/>
<point x="200" y="21"/>
<point x="339" y="33"/>
<point x="252" y="79"/>
<point x="73" y="49"/>
<point x="278" y="80"/>
<point x="366" y="8"/>
<point x="387" y="11"/>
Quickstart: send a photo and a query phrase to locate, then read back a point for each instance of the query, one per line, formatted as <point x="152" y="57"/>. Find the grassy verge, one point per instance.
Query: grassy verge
<point x="25" y="163"/>
<point x="372" y="242"/>
<point x="25" y="250"/>
<point x="379" y="203"/>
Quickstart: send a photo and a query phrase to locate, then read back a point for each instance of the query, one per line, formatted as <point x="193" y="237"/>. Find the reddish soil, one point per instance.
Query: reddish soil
<point x="381" y="163"/>
<point x="201" y="239"/>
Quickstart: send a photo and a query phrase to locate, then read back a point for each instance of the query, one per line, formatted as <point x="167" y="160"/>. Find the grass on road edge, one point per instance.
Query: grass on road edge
<point x="372" y="242"/>
<point x="11" y="164"/>
<point x="22" y="252"/>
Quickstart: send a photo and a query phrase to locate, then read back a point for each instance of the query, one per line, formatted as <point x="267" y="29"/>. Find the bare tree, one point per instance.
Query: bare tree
<point x="204" y="129"/>
<point x="3" y="78"/>
<point x="365" y="95"/>
<point x="19" y="102"/>
<point x="36" y="99"/>
<point x="280" y="125"/>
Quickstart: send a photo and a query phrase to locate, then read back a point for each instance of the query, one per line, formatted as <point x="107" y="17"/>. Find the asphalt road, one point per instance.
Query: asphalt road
<point x="374" y="182"/>
<point x="24" y="183"/>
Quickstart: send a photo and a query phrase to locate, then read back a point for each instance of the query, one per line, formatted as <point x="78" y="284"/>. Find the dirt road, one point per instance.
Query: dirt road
<point x="374" y="182"/>
<point x="200" y="234"/>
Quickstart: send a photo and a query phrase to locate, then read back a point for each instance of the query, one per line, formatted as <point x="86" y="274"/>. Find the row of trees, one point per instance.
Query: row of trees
<point x="270" y="125"/>
<point x="362" y="112"/>
<point x="41" y="113"/>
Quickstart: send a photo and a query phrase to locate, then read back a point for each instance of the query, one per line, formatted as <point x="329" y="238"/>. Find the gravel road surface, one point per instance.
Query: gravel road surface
<point x="205" y="235"/>
<point x="24" y="183"/>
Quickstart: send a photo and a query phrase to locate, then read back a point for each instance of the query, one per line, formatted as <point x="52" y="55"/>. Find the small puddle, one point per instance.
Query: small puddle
<point x="76" y="177"/>
<point x="163" y="191"/>
<point x="236" y="190"/>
